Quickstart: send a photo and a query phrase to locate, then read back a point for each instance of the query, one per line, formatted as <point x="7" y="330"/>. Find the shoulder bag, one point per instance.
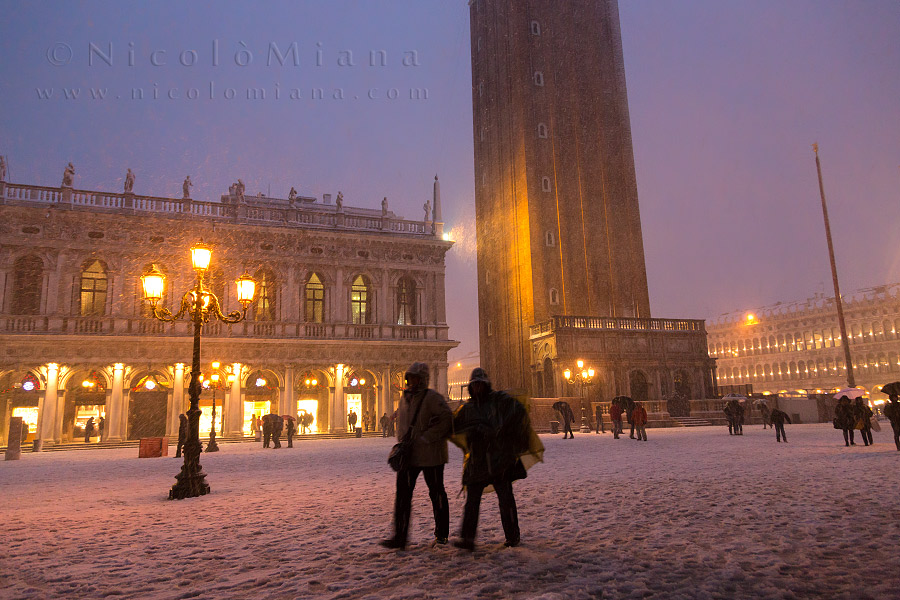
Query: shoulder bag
<point x="401" y="453"/>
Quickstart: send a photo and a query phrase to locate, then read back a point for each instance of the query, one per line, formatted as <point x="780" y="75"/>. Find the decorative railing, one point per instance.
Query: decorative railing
<point x="616" y="323"/>
<point x="117" y="327"/>
<point x="306" y="214"/>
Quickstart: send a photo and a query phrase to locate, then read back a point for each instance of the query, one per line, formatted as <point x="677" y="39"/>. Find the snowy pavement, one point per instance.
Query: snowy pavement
<point x="693" y="513"/>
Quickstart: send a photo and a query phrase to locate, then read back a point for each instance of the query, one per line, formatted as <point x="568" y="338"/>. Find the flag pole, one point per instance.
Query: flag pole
<point x="845" y="341"/>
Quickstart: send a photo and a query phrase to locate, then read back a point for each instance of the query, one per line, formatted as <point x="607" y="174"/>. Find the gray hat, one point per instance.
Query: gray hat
<point x="479" y="375"/>
<point x="419" y="369"/>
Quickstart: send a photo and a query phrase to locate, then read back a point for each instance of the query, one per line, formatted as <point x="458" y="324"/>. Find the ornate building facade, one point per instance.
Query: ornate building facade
<point x="561" y="271"/>
<point x="346" y="299"/>
<point x="796" y="348"/>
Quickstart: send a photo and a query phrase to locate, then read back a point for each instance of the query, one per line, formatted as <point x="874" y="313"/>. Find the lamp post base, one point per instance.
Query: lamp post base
<point x="212" y="446"/>
<point x="191" y="481"/>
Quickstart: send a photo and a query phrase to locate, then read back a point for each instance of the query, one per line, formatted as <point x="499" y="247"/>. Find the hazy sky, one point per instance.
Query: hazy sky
<point x="725" y="98"/>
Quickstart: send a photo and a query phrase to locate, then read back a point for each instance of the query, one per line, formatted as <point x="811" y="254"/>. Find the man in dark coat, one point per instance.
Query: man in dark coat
<point x="429" y="454"/>
<point x="628" y="407"/>
<point x="277" y="426"/>
<point x="766" y="414"/>
<point x="738" y="418"/>
<point x="182" y="434"/>
<point x="892" y="412"/>
<point x="843" y="419"/>
<point x="778" y="418"/>
<point x="385" y="423"/>
<point x="351" y="420"/>
<point x="496" y="431"/>
<point x="615" y="415"/>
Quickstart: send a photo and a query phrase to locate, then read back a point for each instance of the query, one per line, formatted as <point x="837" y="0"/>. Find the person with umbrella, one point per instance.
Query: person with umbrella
<point x="892" y="410"/>
<point x="277" y="428"/>
<point x="567" y="415"/>
<point x="843" y="419"/>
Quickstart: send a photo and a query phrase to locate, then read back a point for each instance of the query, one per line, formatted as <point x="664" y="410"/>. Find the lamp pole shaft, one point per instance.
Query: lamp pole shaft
<point x="191" y="481"/>
<point x="851" y="382"/>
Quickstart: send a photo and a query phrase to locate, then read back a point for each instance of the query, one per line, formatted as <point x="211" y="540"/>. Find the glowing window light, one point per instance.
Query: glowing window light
<point x="28" y="386"/>
<point x="150" y="384"/>
<point x="260" y="382"/>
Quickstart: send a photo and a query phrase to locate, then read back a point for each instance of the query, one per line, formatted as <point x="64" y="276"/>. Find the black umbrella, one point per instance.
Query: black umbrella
<point x="891" y="388"/>
<point x="622" y="399"/>
<point x="559" y="404"/>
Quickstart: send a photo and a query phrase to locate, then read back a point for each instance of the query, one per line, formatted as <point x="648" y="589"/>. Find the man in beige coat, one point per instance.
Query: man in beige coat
<point x="429" y="455"/>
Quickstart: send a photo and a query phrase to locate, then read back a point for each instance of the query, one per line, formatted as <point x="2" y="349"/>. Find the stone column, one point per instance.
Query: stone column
<point x="289" y="403"/>
<point x="49" y="432"/>
<point x="339" y="411"/>
<point x="176" y="401"/>
<point x="384" y="306"/>
<point x="385" y="405"/>
<point x="115" y="412"/>
<point x="234" y="411"/>
<point x="440" y="380"/>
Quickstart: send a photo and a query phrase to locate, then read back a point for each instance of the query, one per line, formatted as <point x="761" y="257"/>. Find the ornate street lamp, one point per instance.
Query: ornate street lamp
<point x="201" y="305"/>
<point x="584" y="376"/>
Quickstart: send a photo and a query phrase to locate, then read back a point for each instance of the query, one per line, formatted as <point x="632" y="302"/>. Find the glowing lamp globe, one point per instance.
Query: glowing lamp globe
<point x="152" y="282"/>
<point x="201" y="254"/>
<point x="246" y="289"/>
<point x="567" y="374"/>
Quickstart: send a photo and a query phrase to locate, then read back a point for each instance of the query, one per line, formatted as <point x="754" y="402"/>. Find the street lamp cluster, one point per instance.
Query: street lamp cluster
<point x="201" y="305"/>
<point x="584" y="376"/>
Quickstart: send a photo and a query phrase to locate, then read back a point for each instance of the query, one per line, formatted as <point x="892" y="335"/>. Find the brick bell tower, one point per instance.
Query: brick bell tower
<point x="558" y="224"/>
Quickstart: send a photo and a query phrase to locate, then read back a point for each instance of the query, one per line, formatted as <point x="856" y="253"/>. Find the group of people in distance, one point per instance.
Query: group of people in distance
<point x="633" y="412"/>
<point x="852" y="415"/>
<point x="368" y="421"/>
<point x="493" y="430"/>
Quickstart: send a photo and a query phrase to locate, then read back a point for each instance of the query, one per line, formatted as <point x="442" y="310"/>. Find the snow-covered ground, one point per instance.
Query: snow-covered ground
<point x="693" y="513"/>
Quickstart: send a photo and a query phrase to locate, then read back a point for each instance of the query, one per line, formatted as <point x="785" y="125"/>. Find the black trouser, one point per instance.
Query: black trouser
<point x="867" y="435"/>
<point x="730" y="426"/>
<point x="779" y="432"/>
<point x="509" y="515"/>
<point x="617" y="427"/>
<point x="896" y="429"/>
<point x="178" y="448"/>
<point x="406" y="483"/>
<point x="290" y="438"/>
<point x="267" y="435"/>
<point x="567" y="428"/>
<point x="850" y="441"/>
<point x="631" y="435"/>
<point x="276" y="437"/>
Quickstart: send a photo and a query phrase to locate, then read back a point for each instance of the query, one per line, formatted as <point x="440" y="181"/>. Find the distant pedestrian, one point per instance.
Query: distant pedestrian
<point x="766" y="414"/>
<point x="639" y="420"/>
<point x="863" y="415"/>
<point x="100" y="425"/>
<point x="254" y="424"/>
<point x="182" y="434"/>
<point x="266" y="430"/>
<point x="289" y="432"/>
<point x="778" y="419"/>
<point x="627" y="409"/>
<point x="424" y="415"/>
<point x="565" y="411"/>
<point x="598" y="419"/>
<point x="843" y="419"/>
<point x="729" y="416"/>
<point x="738" y="418"/>
<point x="351" y="420"/>
<point x="892" y="412"/>
<point x="615" y="415"/>
<point x="385" y="424"/>
<point x="88" y="430"/>
<point x="277" y="427"/>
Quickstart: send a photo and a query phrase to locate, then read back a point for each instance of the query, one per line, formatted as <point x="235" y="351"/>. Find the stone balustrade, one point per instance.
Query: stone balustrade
<point x="558" y="322"/>
<point x="118" y="326"/>
<point x="281" y="213"/>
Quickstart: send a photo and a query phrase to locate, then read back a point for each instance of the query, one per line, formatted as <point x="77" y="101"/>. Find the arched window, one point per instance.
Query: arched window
<point x="535" y="28"/>
<point x="554" y="296"/>
<point x="550" y="239"/>
<point x="545" y="184"/>
<point x="406" y="301"/>
<point x="542" y="130"/>
<point x="28" y="278"/>
<point x="315" y="299"/>
<point x="266" y="296"/>
<point x="539" y="78"/>
<point x="93" y="289"/>
<point x="360" y="301"/>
